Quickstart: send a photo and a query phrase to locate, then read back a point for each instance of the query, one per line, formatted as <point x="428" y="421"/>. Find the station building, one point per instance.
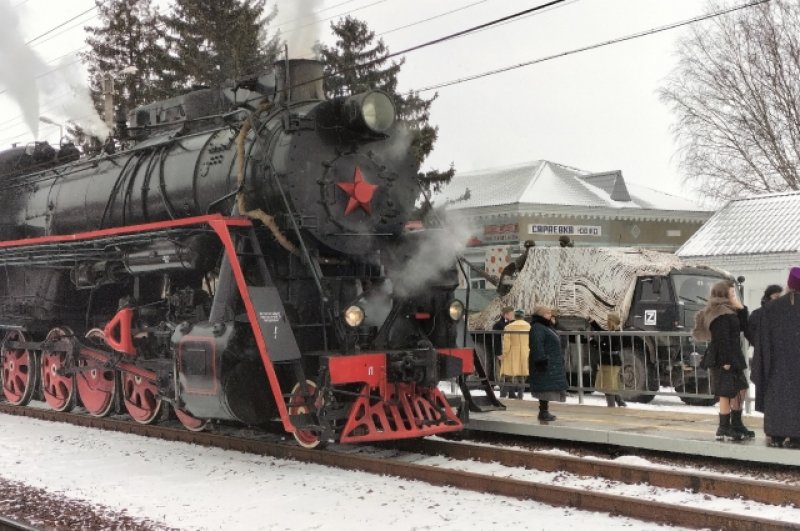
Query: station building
<point x="543" y="201"/>
<point x="756" y="237"/>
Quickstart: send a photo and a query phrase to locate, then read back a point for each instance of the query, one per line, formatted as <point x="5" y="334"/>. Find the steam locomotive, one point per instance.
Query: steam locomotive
<point x="243" y="258"/>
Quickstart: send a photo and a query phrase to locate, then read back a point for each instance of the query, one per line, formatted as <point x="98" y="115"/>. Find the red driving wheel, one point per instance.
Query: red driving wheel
<point x="19" y="369"/>
<point x="97" y="386"/>
<point x="58" y="388"/>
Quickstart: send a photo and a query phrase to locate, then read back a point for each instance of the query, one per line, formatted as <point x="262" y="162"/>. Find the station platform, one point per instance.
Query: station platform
<point x="662" y="431"/>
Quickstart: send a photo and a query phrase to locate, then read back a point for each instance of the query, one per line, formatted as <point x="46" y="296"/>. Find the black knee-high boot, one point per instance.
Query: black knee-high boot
<point x="544" y="413"/>
<point x="736" y="424"/>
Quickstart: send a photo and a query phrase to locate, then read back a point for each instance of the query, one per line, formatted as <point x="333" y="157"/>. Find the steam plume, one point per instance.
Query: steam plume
<point x="305" y="29"/>
<point x="436" y="254"/>
<point x="21" y="68"/>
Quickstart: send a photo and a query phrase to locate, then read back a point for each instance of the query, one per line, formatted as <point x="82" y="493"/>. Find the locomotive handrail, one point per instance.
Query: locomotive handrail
<point x="130" y="229"/>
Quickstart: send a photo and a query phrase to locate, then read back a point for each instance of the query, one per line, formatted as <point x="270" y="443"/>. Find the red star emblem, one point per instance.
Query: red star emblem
<point x="360" y="192"/>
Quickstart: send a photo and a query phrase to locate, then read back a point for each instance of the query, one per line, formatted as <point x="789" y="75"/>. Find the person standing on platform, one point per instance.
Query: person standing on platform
<point x="506" y="316"/>
<point x="779" y="364"/>
<point x="722" y="322"/>
<point x="514" y="362"/>
<point x="547" y="377"/>
<point x="757" y="375"/>
<point x="607" y="380"/>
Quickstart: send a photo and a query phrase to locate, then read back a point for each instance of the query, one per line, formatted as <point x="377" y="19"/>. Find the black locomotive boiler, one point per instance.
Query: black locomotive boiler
<point x="243" y="258"/>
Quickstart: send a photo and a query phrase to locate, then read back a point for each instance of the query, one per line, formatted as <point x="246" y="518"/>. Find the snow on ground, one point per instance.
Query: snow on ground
<point x="664" y="402"/>
<point x="191" y="487"/>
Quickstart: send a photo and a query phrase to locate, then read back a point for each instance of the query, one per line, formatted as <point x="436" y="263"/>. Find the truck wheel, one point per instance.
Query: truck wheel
<point x="637" y="375"/>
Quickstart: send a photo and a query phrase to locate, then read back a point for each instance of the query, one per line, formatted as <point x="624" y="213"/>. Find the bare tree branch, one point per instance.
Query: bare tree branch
<point x="735" y="93"/>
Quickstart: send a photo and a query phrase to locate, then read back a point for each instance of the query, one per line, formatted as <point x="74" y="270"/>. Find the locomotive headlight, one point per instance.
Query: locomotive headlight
<point x="373" y="110"/>
<point x="354" y="316"/>
<point x="456" y="310"/>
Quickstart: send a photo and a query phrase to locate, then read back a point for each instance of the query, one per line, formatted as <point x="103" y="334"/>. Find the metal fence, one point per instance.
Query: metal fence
<point x="650" y="363"/>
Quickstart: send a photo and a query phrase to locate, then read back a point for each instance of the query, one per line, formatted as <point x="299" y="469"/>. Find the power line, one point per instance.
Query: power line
<point x="422" y="21"/>
<point x="60" y="25"/>
<point x="336" y="16"/>
<point x="473" y="29"/>
<point x="313" y="13"/>
<point x="440" y="40"/>
<point x="590" y="47"/>
<point x="69" y="28"/>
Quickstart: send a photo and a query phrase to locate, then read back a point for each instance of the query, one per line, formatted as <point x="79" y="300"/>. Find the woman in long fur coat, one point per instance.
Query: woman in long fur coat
<point x="722" y="322"/>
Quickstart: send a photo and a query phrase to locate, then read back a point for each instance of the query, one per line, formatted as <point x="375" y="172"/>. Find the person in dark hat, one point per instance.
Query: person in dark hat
<point x="779" y="364"/>
<point x="548" y="379"/>
<point x="506" y="316"/>
<point x="772" y="292"/>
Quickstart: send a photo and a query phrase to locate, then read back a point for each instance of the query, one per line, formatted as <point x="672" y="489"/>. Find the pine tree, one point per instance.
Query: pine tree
<point x="212" y="42"/>
<point x="125" y="46"/>
<point x="357" y="63"/>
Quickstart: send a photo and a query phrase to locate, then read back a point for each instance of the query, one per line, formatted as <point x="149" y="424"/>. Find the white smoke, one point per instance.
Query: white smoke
<point x="437" y="252"/>
<point x="304" y="28"/>
<point x="78" y="108"/>
<point x="26" y="78"/>
<point x="19" y="66"/>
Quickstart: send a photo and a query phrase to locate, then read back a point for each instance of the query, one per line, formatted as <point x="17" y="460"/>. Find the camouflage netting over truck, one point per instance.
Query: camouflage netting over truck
<point x="586" y="282"/>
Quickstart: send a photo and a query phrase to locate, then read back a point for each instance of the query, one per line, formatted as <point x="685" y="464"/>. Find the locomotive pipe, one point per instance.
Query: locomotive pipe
<point x="241" y="200"/>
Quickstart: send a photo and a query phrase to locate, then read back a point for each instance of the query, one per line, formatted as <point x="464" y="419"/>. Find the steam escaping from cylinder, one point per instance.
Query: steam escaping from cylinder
<point x="437" y="253"/>
<point x="306" y="27"/>
<point x="26" y="78"/>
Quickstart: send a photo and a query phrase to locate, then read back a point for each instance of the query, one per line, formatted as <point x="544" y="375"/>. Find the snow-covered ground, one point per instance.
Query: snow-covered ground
<point x="190" y="487"/>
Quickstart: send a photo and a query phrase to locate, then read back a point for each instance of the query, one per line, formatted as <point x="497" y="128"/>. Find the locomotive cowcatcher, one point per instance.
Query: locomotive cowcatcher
<point x="241" y="257"/>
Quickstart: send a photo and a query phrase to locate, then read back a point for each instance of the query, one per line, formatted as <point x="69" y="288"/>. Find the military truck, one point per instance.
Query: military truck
<point x="651" y="291"/>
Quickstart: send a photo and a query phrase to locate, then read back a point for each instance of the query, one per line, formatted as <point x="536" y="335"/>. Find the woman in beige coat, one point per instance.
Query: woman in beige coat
<point x="514" y="361"/>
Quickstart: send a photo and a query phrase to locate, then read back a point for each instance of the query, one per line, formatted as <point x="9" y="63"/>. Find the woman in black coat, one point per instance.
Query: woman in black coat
<point x="757" y="376"/>
<point x="722" y="322"/>
<point x="546" y="362"/>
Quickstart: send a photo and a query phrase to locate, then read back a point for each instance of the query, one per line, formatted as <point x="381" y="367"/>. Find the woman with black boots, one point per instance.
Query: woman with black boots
<point x="547" y="376"/>
<point x="722" y="322"/>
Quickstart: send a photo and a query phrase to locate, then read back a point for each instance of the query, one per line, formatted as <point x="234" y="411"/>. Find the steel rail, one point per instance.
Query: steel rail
<point x="578" y="498"/>
<point x="768" y="492"/>
<point x="14" y="525"/>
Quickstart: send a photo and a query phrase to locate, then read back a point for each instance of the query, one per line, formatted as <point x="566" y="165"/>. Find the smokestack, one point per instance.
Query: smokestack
<point x="303" y="82"/>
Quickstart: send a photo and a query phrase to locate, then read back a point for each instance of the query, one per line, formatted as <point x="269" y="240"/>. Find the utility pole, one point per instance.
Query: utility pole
<point x="108" y="101"/>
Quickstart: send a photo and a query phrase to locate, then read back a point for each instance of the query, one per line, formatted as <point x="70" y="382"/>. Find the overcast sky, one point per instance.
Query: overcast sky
<point x="597" y="111"/>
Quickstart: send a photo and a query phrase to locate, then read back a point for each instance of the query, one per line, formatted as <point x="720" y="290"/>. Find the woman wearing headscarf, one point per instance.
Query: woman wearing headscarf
<point x="548" y="379"/>
<point x="757" y="376"/>
<point x="722" y="322"/>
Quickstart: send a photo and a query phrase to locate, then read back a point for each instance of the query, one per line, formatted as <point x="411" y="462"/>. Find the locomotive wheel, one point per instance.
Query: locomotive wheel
<point x="20" y="370"/>
<point x="140" y="398"/>
<point x="297" y="406"/>
<point x="189" y="421"/>
<point x="58" y="389"/>
<point x="97" y="387"/>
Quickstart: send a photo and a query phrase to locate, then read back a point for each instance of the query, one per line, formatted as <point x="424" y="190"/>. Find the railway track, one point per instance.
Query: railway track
<point x="394" y="460"/>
